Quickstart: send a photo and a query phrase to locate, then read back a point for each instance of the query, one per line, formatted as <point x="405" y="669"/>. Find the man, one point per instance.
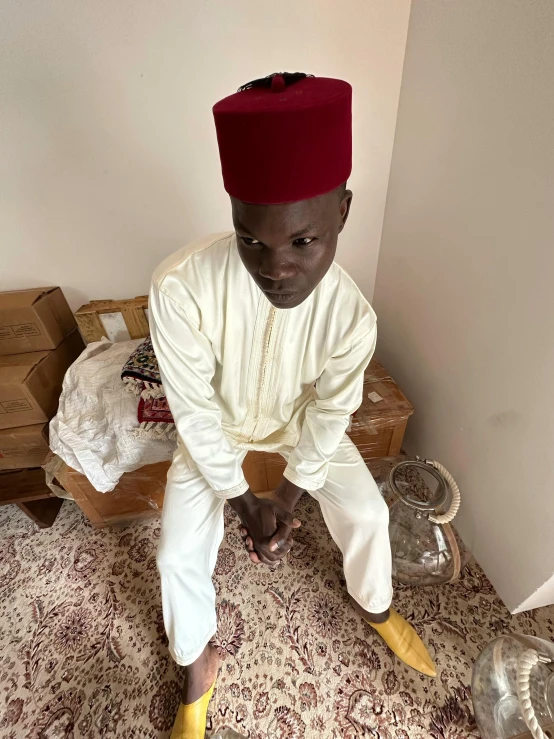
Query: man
<point x="262" y="342"/>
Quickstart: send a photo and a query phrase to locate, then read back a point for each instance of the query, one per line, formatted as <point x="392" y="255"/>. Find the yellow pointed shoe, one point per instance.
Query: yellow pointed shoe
<point x="402" y="639"/>
<point x="190" y="722"/>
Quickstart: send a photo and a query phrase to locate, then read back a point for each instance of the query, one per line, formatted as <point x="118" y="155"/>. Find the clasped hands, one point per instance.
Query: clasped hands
<point x="267" y="524"/>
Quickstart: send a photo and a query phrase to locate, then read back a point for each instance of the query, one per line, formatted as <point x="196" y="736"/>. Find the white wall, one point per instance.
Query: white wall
<point x="464" y="289"/>
<point x="108" y="151"/>
<point x="543" y="596"/>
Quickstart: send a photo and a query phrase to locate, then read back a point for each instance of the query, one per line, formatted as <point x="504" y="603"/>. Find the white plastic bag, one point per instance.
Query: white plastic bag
<point x="94" y="428"/>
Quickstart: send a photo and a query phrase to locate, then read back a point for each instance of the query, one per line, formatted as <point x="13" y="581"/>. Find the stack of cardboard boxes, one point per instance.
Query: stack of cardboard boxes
<point x="39" y="339"/>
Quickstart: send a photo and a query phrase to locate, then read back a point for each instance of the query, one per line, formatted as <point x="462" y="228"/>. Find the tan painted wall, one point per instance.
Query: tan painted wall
<point x="109" y="158"/>
<point x="464" y="289"/>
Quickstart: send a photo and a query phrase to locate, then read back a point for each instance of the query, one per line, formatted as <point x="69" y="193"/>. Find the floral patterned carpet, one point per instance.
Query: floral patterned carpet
<point x="83" y="651"/>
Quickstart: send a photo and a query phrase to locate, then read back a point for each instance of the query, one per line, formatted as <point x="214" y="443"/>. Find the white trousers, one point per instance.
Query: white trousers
<point x="192" y="530"/>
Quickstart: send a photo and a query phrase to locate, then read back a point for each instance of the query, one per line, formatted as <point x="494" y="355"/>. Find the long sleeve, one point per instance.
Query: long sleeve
<point x="339" y="392"/>
<point x="187" y="366"/>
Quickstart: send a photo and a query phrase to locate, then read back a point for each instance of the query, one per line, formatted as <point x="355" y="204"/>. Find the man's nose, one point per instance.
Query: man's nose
<point x="276" y="268"/>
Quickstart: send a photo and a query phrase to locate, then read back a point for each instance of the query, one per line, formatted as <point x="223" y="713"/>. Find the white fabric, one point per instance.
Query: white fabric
<point x="94" y="429"/>
<point x="240" y="374"/>
<point x="192" y="529"/>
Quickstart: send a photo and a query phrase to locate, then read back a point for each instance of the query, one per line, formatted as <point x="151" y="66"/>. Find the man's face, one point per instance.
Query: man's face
<point x="289" y="248"/>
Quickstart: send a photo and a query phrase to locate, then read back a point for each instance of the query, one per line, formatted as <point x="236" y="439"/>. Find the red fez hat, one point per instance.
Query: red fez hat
<point x="285" y="138"/>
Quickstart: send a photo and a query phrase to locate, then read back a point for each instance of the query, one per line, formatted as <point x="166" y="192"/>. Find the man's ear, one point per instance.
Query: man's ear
<point x="345" y="204"/>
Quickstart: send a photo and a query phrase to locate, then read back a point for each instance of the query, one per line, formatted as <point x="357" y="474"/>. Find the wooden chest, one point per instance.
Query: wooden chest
<point x="377" y="429"/>
<point x="27" y="488"/>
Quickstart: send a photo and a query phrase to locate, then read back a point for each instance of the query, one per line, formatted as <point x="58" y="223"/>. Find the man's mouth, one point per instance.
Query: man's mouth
<point x="280" y="297"/>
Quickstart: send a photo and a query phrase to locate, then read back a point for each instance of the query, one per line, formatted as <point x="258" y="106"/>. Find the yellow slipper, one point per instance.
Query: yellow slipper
<point x="190" y="722"/>
<point x="405" y="643"/>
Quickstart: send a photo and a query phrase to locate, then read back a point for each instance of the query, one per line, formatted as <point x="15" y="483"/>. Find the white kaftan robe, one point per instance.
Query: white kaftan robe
<point x="240" y="374"/>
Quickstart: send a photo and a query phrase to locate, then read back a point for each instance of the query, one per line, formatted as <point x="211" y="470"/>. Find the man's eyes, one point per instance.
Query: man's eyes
<point x="306" y="241"/>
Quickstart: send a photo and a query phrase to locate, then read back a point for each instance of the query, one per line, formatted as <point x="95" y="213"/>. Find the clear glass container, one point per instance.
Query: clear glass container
<point x="502" y="707"/>
<point x="424" y="552"/>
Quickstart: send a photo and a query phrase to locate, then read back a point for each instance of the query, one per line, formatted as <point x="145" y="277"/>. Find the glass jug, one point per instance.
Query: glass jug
<point x="513" y="688"/>
<point x="426" y="549"/>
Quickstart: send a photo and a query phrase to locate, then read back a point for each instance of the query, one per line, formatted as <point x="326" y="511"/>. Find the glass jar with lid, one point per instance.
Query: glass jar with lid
<point x="423" y="499"/>
<point x="513" y="688"/>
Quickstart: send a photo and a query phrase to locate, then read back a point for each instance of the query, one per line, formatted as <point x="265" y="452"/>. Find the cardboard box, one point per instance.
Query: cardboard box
<point x="378" y="426"/>
<point x="137" y="495"/>
<point x="23" y="447"/>
<point x="30" y="384"/>
<point x="34" y="320"/>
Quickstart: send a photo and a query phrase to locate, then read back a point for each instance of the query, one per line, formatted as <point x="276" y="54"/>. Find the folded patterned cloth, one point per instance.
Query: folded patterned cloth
<point x="155" y="419"/>
<point x="141" y="374"/>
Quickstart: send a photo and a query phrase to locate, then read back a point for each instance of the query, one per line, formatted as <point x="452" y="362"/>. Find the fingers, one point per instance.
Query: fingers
<point x="285" y="549"/>
<point x="286" y="522"/>
<point x="262" y="555"/>
<point x="255" y="558"/>
<point x="270" y="561"/>
<point x="288" y="519"/>
<point x="280" y="538"/>
<point x="278" y="547"/>
<point x="247" y="539"/>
